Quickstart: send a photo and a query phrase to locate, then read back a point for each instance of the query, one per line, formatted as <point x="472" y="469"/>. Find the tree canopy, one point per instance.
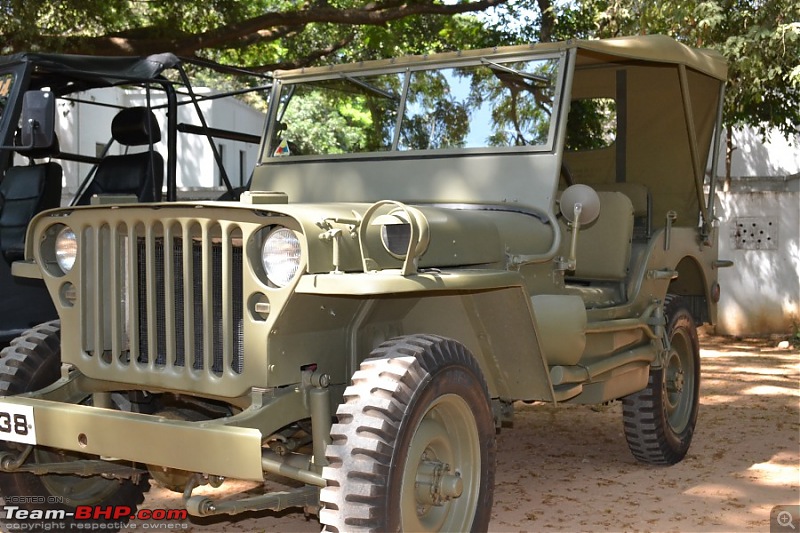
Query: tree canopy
<point x="263" y="34"/>
<point x="760" y="38"/>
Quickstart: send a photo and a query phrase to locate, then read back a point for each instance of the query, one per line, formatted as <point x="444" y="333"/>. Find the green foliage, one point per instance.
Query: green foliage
<point x="317" y="124"/>
<point x="444" y="125"/>
<point x="521" y="102"/>
<point x="24" y="21"/>
<point x="508" y="104"/>
<point x="591" y="124"/>
<point x="760" y="38"/>
<point x="343" y="115"/>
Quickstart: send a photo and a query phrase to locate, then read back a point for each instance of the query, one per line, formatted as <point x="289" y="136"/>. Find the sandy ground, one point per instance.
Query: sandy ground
<point x="568" y="468"/>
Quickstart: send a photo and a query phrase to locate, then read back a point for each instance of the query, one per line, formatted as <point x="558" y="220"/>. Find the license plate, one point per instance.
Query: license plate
<point x="16" y="423"/>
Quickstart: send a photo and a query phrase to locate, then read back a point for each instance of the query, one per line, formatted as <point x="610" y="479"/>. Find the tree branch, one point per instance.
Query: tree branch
<point x="548" y="20"/>
<point x="306" y="60"/>
<point x="270" y="26"/>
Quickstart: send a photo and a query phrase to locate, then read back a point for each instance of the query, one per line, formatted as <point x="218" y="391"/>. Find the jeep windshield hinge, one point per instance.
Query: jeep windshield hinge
<point x="333" y="235"/>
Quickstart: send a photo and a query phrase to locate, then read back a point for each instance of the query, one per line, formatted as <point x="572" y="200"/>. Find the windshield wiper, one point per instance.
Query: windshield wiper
<point x="526" y="75"/>
<point x="371" y="88"/>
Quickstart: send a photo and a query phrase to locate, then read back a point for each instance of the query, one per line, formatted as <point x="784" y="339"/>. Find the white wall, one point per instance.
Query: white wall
<point x="753" y="158"/>
<point x="82" y="126"/>
<point x="761" y="292"/>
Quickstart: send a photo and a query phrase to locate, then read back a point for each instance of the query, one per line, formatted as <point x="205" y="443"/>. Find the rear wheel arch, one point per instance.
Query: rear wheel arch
<point x="693" y="286"/>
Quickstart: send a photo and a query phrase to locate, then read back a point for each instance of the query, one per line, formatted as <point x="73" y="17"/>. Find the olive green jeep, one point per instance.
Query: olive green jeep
<point x="425" y="241"/>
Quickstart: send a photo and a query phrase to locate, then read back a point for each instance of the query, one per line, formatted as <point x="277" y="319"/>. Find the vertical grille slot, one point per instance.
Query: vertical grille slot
<point x="117" y="253"/>
<point x="164" y="296"/>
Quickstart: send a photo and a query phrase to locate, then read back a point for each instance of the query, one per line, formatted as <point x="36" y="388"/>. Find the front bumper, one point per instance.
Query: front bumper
<point x="211" y="447"/>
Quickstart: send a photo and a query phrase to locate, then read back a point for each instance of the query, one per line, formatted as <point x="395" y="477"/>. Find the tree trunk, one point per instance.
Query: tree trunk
<point x="548" y="20"/>
<point x="729" y="148"/>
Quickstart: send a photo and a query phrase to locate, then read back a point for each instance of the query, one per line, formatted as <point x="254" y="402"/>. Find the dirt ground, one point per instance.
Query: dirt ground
<point x="568" y="468"/>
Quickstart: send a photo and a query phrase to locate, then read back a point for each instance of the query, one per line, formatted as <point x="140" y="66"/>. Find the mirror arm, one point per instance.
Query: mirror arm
<point x="34" y="125"/>
<point x="572" y="260"/>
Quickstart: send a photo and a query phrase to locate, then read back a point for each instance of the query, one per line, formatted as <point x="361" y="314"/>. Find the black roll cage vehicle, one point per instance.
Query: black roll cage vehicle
<point x="28" y="83"/>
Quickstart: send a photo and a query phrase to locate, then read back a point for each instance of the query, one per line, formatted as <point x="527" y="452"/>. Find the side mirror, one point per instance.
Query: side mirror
<point x="38" y="119"/>
<point x="580" y="205"/>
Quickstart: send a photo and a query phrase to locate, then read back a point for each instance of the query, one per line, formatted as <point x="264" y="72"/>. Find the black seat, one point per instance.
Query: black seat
<point x="24" y="192"/>
<point x="140" y="174"/>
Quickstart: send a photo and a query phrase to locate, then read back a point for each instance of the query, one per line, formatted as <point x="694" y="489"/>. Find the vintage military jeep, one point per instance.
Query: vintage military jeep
<point x="426" y="241"/>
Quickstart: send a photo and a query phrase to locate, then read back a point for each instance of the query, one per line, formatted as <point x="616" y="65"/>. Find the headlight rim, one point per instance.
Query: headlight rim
<point x="64" y="262"/>
<point x="279" y="279"/>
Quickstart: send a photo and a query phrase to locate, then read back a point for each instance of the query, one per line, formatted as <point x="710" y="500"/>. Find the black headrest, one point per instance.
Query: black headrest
<point x="40" y="151"/>
<point x="133" y="126"/>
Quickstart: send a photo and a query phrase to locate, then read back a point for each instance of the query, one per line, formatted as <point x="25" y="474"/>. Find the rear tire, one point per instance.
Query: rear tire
<point x="414" y="449"/>
<point x="659" y="420"/>
<point x="31" y="362"/>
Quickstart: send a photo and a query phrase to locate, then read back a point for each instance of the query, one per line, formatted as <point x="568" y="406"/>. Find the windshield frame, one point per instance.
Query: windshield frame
<point x="283" y="82"/>
<point x="10" y="114"/>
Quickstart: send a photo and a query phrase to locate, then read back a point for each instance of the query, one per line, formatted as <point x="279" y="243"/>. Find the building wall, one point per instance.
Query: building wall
<point x="83" y="128"/>
<point x="760" y="231"/>
<point x="752" y="157"/>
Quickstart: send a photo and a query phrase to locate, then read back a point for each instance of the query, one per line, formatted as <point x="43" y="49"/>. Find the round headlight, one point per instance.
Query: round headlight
<point x="280" y="256"/>
<point x="66" y="249"/>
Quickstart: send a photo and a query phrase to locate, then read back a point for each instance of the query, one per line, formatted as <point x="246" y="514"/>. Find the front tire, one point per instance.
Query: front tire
<point x="414" y="448"/>
<point x="659" y="420"/>
<point x="31" y="362"/>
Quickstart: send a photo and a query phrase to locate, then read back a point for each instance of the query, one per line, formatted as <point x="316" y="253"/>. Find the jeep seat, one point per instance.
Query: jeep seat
<point x="603" y="253"/>
<point x="24" y="192"/>
<point x="639" y="196"/>
<point x="138" y="174"/>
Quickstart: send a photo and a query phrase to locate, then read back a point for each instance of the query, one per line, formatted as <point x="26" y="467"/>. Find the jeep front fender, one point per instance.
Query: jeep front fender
<point x="489" y="312"/>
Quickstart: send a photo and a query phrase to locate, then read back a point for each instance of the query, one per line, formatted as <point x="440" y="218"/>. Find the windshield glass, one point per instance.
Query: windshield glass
<point x="338" y="116"/>
<point x="484" y="105"/>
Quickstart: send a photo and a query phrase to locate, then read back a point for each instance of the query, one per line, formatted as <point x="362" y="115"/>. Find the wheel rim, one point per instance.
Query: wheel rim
<point x="441" y="478"/>
<point x="680" y="381"/>
<point x="75" y="490"/>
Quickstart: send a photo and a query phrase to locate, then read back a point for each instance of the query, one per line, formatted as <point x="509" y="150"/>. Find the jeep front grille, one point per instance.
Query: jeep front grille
<point x="158" y="327"/>
<point x="163" y="298"/>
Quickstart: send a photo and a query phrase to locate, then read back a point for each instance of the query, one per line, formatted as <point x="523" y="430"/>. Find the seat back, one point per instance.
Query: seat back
<point x="139" y="174"/>
<point x="24" y="192"/>
<point x="639" y="196"/>
<point x="604" y="247"/>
